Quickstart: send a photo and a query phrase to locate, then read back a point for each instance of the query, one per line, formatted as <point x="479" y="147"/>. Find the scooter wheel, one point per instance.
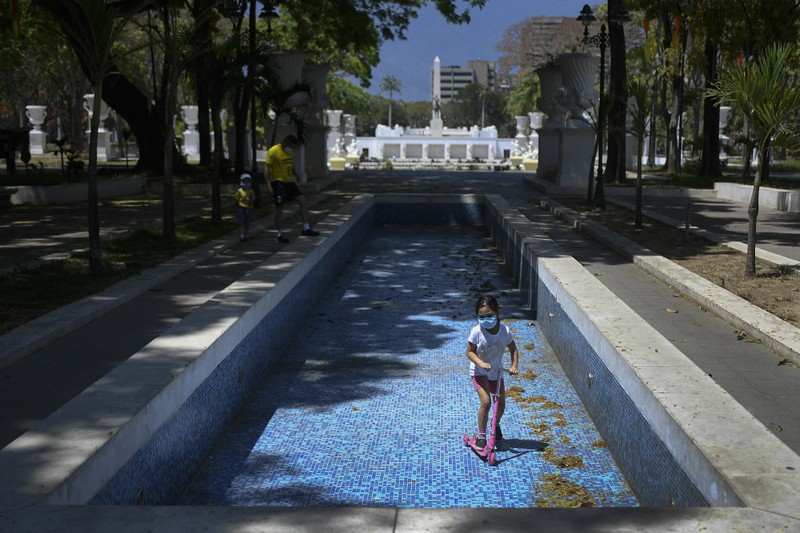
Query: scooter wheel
<point x="492" y="460"/>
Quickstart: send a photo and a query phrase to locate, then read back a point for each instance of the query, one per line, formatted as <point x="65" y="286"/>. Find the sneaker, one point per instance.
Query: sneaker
<point x="480" y="442"/>
<point x="310" y="233"/>
<point x="498" y="435"/>
<point x="282" y="238"/>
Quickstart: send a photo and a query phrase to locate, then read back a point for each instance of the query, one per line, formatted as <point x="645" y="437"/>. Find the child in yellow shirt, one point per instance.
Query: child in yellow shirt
<point x="245" y="198"/>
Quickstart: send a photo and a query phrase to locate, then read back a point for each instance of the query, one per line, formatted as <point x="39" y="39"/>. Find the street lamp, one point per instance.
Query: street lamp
<point x="601" y="39"/>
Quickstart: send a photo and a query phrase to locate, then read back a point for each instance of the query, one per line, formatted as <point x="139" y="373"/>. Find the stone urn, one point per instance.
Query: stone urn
<point x="333" y="119"/>
<point x="36" y="137"/>
<point x="537" y="119"/>
<point x="549" y="102"/>
<point x="88" y="105"/>
<point x="520" y="141"/>
<point x="190" y="116"/>
<point x="316" y="76"/>
<point x="36" y="114"/>
<point x="724" y="117"/>
<point x="289" y="66"/>
<point x="578" y="74"/>
<point x="191" y="137"/>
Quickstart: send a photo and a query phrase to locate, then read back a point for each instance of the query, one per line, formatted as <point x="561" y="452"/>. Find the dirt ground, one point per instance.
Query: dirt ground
<point x="770" y="289"/>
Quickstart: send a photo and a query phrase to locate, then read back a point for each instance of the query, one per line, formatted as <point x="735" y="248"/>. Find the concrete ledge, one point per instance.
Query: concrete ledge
<point x="768" y="197"/>
<point x="690" y="413"/>
<point x="789" y="265"/>
<point x="29" y="337"/>
<point x="70" y="455"/>
<point x="387" y="520"/>
<point x="779" y="335"/>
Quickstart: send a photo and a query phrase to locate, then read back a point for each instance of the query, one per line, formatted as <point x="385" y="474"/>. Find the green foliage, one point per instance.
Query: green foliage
<point x="522" y="98"/>
<point x="346" y="96"/>
<point x="475" y="101"/>
<point x="760" y="91"/>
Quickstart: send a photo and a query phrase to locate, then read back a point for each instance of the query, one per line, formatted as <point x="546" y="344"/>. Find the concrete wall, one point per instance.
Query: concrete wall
<point x="76" y="192"/>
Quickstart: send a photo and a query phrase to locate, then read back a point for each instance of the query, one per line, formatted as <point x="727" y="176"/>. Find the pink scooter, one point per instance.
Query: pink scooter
<point x="489" y="452"/>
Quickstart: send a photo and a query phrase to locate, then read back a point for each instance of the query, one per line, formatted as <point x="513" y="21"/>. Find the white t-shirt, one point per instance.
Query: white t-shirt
<point x="490" y="349"/>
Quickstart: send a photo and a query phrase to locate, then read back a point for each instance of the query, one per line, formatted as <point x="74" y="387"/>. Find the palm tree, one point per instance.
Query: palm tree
<point x="759" y="90"/>
<point x="92" y="28"/>
<point x="391" y="85"/>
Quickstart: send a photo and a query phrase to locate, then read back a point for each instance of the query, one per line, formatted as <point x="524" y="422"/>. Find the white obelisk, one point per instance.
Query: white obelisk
<point x="437" y="124"/>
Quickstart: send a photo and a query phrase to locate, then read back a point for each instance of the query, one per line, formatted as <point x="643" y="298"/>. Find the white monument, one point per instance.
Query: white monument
<point x="437" y="124"/>
<point x="434" y="146"/>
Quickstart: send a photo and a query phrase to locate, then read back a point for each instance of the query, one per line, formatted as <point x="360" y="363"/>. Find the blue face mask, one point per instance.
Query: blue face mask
<point x="487" y="322"/>
<point x="245" y="185"/>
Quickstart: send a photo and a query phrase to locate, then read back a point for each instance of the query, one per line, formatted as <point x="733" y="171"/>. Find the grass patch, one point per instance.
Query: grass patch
<point x="28" y="294"/>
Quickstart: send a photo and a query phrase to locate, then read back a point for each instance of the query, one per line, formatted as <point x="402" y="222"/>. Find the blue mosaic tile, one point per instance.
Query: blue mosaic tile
<point x="369" y="403"/>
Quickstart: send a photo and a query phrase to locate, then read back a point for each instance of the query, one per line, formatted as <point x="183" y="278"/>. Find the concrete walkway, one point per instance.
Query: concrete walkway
<point x="63" y="366"/>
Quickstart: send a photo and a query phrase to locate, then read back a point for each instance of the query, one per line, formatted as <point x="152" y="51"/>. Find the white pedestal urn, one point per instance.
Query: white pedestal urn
<point x="520" y="141"/>
<point x="191" y="137"/>
<point x="335" y="141"/>
<point x="350" y="142"/>
<point x="316" y="154"/>
<point x="578" y="74"/>
<point x="103" y="135"/>
<point x="537" y="122"/>
<point x="36" y="137"/>
<point x="531" y="161"/>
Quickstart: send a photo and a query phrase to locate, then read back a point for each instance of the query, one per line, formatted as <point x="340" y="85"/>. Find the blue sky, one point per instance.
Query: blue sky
<point x="429" y="36"/>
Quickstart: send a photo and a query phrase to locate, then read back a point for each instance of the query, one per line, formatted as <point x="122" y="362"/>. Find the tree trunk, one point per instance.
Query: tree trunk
<point x="673" y="161"/>
<point x="201" y="88"/>
<point x="618" y="92"/>
<point x="145" y="120"/>
<point x="216" y="171"/>
<point x="709" y="164"/>
<point x="203" y="124"/>
<point x="169" y="97"/>
<point x="95" y="251"/>
<point x="752" y="214"/>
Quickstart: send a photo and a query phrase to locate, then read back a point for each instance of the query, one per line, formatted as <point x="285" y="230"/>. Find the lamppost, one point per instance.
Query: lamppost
<point x="601" y="39"/>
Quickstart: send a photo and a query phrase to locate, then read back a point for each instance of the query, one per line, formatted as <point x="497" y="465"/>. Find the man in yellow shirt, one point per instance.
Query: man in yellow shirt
<point x="280" y="174"/>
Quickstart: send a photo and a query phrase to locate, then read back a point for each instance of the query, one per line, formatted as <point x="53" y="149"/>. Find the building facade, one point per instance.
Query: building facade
<point x="454" y="78"/>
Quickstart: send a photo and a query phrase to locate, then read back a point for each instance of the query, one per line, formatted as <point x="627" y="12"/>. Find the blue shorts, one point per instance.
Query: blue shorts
<point x="243" y="216"/>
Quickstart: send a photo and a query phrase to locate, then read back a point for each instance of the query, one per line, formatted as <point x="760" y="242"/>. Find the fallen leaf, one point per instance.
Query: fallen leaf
<point x="670" y="310"/>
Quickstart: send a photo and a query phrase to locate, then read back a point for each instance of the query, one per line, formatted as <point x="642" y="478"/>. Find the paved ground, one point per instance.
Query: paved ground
<point x="44" y="380"/>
